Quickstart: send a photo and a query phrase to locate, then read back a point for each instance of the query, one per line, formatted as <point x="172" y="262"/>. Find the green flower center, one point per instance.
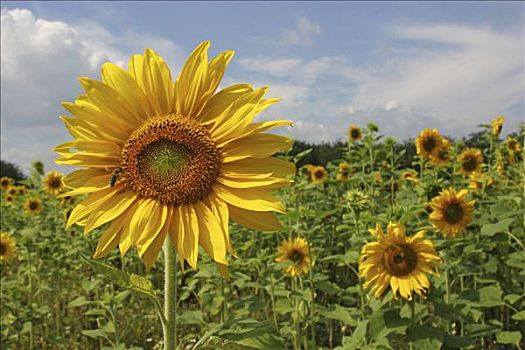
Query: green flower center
<point x="453" y="213"/>
<point x="400" y="259"/>
<point x="171" y="159"/>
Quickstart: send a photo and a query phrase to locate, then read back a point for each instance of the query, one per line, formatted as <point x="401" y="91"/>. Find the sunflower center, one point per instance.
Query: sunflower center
<point x="470" y="163"/>
<point x="429" y="144"/>
<point x="3" y="248"/>
<point x="33" y="205"/>
<point x="319" y="174"/>
<point x="354" y="133"/>
<point x="400" y="259"/>
<point x="453" y="213"/>
<point x="296" y="257"/>
<point x="54" y="183"/>
<point x="171" y="159"/>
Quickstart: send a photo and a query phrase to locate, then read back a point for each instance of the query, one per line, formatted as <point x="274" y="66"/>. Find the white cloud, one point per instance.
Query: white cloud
<point x="40" y="62"/>
<point x="303" y="34"/>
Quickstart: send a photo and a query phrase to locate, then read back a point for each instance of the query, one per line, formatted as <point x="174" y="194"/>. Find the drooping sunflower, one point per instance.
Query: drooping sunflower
<point x="296" y="252"/>
<point x="53" y="182"/>
<point x="497" y="125"/>
<point x="354" y="133"/>
<point x="318" y="174"/>
<point x="429" y="143"/>
<point x="398" y="261"/>
<point x="172" y="158"/>
<point x="451" y="212"/>
<point x="7" y="247"/>
<point x="344" y="170"/>
<point x="33" y="206"/>
<point x="470" y="161"/>
<point x="5" y="182"/>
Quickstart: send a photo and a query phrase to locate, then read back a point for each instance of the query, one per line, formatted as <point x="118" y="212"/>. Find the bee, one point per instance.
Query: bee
<point x="114" y="176"/>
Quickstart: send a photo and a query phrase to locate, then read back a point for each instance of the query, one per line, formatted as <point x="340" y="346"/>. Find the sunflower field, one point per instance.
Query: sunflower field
<point x="362" y="253"/>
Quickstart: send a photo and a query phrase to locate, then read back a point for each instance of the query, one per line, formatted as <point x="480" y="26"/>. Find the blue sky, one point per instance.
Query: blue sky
<point x="405" y="66"/>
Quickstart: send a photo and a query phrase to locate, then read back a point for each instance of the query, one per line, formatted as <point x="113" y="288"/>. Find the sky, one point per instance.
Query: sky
<point x="405" y="66"/>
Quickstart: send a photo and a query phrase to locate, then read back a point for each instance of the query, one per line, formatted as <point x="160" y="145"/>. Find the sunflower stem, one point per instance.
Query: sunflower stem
<point x="170" y="296"/>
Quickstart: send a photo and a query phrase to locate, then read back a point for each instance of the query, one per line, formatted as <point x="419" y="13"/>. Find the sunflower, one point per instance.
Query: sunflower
<point x="354" y="133"/>
<point x="306" y="170"/>
<point x="497" y="125"/>
<point x="33" y="206"/>
<point x="479" y="180"/>
<point x="53" y="182"/>
<point x="429" y="143"/>
<point x="451" y="212"/>
<point x="6" y="181"/>
<point x="22" y="190"/>
<point x="471" y="160"/>
<point x="12" y="191"/>
<point x="377" y="177"/>
<point x="398" y="261"/>
<point x="7" y="247"/>
<point x="9" y="199"/>
<point x="318" y="174"/>
<point x="513" y="145"/>
<point x="409" y="175"/>
<point x="443" y="155"/>
<point x="296" y="252"/>
<point x="342" y="174"/>
<point x="178" y="159"/>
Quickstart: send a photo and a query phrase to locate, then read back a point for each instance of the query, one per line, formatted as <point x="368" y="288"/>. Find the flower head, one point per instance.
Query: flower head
<point x="513" y="145"/>
<point x="318" y="174"/>
<point x="296" y="252"/>
<point x="53" y="182"/>
<point x="442" y="157"/>
<point x="451" y="212"/>
<point x="398" y="261"/>
<point x="5" y="182"/>
<point x="354" y="133"/>
<point x="428" y="143"/>
<point x="496" y="125"/>
<point x="470" y="161"/>
<point x="7" y="247"/>
<point x="344" y="170"/>
<point x="164" y="158"/>
<point x="33" y="206"/>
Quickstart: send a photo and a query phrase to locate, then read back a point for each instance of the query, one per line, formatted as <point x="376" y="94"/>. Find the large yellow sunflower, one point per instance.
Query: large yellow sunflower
<point x="53" y="182"/>
<point x="5" y="182"/>
<point x="7" y="247"/>
<point x="354" y="133"/>
<point x="497" y="125"/>
<point x="33" y="206"/>
<point x="470" y="161"/>
<point x="429" y="143"/>
<point x="398" y="261"/>
<point x="451" y="212"/>
<point x="163" y="157"/>
<point x="296" y="252"/>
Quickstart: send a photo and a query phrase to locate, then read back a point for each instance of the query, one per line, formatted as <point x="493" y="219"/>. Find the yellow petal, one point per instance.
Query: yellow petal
<point x="83" y="209"/>
<point x="249" y="182"/>
<point x="222" y="100"/>
<point x="110" y="238"/>
<point x="255" y="146"/>
<point x="191" y="234"/>
<point x="149" y="250"/>
<point x="251" y="199"/>
<point x="109" y="210"/>
<point x="220" y="210"/>
<point x="210" y="237"/>
<point x="257" y="220"/>
<point x="277" y="167"/>
<point x="92" y="146"/>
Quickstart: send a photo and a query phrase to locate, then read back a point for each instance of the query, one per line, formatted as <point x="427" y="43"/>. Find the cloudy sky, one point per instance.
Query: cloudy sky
<point x="405" y="66"/>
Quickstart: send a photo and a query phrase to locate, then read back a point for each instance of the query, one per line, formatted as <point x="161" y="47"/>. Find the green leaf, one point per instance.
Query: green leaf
<point x="485" y="297"/>
<point x="80" y="301"/>
<point x="283" y="306"/>
<point x="499" y="227"/>
<point x="191" y="317"/>
<point x="384" y="323"/>
<point x="358" y="337"/>
<point x="246" y="332"/>
<point x="425" y="337"/>
<point x="519" y="316"/>
<point x="508" y="338"/>
<point x="337" y="312"/>
<point x="95" y="333"/>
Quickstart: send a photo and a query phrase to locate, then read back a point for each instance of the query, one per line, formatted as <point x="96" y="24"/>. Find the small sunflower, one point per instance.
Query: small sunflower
<point x="12" y="191"/>
<point x="451" y="212"/>
<point x="7" y="247"/>
<point x="497" y="125"/>
<point x="409" y="175"/>
<point x="306" y="170"/>
<point x="354" y="133"/>
<point x="22" y="190"/>
<point x="6" y="181"/>
<point x="429" y="143"/>
<point x="9" y="199"/>
<point x="513" y="145"/>
<point x="398" y="261"/>
<point x="53" y="182"/>
<point x="172" y="158"/>
<point x="470" y="160"/>
<point x="296" y="252"/>
<point x="443" y="155"/>
<point x="378" y="178"/>
<point x="344" y="170"/>
<point x="33" y="206"/>
<point x="479" y="180"/>
<point x="318" y="174"/>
